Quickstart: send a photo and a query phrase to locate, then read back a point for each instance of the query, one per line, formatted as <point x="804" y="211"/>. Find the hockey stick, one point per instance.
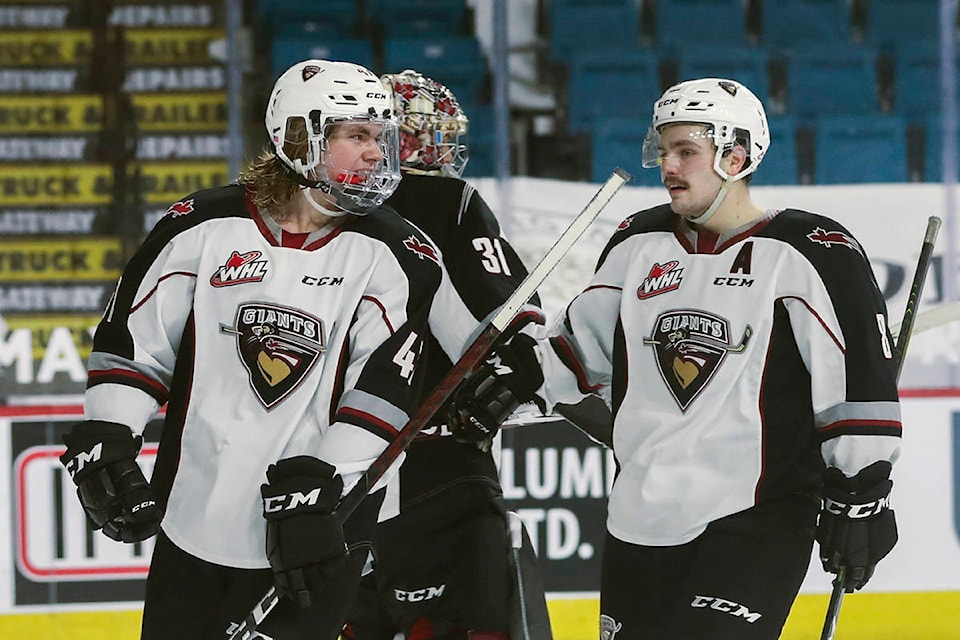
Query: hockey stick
<point x="932" y="318"/>
<point x="899" y="353"/>
<point x="474" y="354"/>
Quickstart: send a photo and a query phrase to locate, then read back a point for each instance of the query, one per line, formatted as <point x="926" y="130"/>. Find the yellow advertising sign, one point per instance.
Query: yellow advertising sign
<point x="60" y="259"/>
<point x="51" y="185"/>
<point x="42" y="328"/>
<point x="45" y="48"/>
<point x="167" y="182"/>
<point x="50" y="114"/>
<point x="171" y="46"/>
<point x="91" y="184"/>
<point x="204" y="111"/>
<point x="71" y="47"/>
<point x="181" y="111"/>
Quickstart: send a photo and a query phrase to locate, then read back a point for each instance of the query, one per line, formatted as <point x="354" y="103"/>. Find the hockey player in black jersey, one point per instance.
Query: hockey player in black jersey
<point x="747" y="360"/>
<point x="281" y="320"/>
<point x="442" y="563"/>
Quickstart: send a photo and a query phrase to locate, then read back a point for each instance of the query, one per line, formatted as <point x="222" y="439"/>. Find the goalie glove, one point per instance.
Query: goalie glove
<point x="857" y="528"/>
<point x="101" y="457"/>
<point x="507" y="379"/>
<point x="305" y="544"/>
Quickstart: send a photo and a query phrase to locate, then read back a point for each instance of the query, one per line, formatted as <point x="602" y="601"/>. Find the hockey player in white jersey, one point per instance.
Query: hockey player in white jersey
<point x="281" y="320"/>
<point x="746" y="358"/>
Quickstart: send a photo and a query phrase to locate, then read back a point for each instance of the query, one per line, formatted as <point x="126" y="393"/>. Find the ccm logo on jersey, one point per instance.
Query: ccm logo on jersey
<point x="725" y="606"/>
<point x="428" y="593"/>
<point x="78" y="462"/>
<point x="291" y="501"/>
<point x="831" y="238"/>
<point x="240" y="269"/>
<point x="662" y="278"/>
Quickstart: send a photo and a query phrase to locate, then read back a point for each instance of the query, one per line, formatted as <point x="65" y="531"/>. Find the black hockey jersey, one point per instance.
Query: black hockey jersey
<point x="736" y="366"/>
<point x="266" y="345"/>
<point x="484" y="270"/>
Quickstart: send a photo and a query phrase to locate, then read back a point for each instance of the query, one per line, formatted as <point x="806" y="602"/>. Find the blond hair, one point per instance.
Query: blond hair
<point x="270" y="182"/>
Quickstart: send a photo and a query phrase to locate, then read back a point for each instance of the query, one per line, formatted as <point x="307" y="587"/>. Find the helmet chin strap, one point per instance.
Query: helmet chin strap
<point x="712" y="209"/>
<point x="308" y="196"/>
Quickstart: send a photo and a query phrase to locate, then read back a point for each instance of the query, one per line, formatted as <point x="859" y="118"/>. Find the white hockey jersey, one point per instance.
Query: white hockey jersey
<point x="266" y="345"/>
<point x="735" y="366"/>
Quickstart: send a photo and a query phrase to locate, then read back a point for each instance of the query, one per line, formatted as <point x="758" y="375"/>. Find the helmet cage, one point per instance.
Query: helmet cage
<point x="433" y="127"/>
<point x="307" y="102"/>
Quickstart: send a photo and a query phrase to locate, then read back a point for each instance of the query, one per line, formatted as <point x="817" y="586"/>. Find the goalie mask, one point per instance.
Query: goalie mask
<point x="432" y="125"/>
<point x="732" y="113"/>
<point x="308" y="104"/>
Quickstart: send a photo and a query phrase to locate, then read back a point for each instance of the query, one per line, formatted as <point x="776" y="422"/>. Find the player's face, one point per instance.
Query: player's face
<point x="354" y="148"/>
<point x="686" y="168"/>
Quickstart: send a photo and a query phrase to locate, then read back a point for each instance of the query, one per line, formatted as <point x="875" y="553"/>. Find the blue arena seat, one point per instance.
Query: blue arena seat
<point x="831" y="78"/>
<point x="680" y="22"/>
<point x="933" y="150"/>
<point x="294" y="17"/>
<point x="456" y="61"/>
<point x="287" y="51"/>
<point x="419" y="17"/>
<point x="893" y="21"/>
<point x="783" y="22"/>
<point x="745" y="64"/>
<point x="916" y="78"/>
<point x="614" y="83"/>
<point x="860" y="149"/>
<point x="780" y="166"/>
<point x="583" y="25"/>
<point x="618" y="142"/>
<point x="481" y="140"/>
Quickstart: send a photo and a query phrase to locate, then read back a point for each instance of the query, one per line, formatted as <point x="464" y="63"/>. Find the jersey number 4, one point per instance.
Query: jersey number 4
<point x="406" y="356"/>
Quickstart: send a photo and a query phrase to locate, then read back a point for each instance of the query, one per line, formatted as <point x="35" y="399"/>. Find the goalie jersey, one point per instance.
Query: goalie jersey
<point x="481" y="271"/>
<point x="265" y="345"/>
<point x="736" y="366"/>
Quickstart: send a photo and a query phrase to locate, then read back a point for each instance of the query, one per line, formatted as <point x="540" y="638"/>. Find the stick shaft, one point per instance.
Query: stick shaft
<point x="474" y="354"/>
<point x="899" y="352"/>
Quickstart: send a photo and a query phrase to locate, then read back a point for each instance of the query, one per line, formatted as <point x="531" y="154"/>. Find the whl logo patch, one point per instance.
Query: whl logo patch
<point x="240" y="269"/>
<point x="278" y="346"/>
<point x="661" y="279"/>
<point x="690" y="345"/>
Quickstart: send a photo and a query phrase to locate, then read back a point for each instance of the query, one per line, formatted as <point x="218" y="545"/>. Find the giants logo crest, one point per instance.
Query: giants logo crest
<point x="278" y="346"/>
<point x="609" y="627"/>
<point x="690" y="346"/>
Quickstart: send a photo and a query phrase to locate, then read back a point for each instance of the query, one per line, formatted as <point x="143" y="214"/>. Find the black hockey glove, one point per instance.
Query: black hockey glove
<point x="857" y="528"/>
<point x="508" y="378"/>
<point x="305" y="544"/>
<point x="101" y="458"/>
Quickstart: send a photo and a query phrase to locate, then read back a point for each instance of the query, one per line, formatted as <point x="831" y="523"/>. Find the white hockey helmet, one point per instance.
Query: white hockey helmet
<point x="733" y="113"/>
<point x="433" y="127"/>
<point x="307" y="101"/>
